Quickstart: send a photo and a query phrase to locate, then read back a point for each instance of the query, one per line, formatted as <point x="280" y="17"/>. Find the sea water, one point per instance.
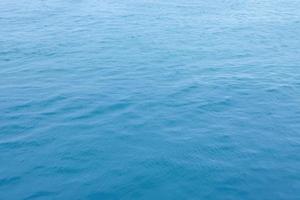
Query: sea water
<point x="149" y="99"/>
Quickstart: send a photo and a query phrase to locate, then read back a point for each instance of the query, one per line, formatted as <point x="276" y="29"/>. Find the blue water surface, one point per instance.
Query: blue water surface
<point x="150" y="99"/>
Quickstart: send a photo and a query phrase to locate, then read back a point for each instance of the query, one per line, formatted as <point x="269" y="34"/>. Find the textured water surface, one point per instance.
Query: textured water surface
<point x="149" y="99"/>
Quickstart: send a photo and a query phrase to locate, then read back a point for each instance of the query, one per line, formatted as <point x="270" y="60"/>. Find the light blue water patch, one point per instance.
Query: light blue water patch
<point x="150" y="99"/>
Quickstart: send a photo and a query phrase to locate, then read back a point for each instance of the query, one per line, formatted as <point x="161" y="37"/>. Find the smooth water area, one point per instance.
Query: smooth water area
<point x="149" y="99"/>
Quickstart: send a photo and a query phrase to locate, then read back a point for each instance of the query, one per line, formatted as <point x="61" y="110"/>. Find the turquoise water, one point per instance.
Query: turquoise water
<point x="150" y="99"/>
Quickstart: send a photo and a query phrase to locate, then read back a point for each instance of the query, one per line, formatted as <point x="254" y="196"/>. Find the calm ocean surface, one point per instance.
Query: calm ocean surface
<point x="149" y="99"/>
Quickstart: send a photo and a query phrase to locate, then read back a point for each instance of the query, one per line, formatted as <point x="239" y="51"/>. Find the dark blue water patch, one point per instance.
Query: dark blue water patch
<point x="149" y="99"/>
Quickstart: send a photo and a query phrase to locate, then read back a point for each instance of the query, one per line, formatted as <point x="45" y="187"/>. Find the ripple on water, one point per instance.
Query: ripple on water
<point x="149" y="99"/>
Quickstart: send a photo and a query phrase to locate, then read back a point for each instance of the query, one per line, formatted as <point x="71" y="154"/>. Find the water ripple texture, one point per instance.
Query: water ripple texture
<point x="150" y="99"/>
